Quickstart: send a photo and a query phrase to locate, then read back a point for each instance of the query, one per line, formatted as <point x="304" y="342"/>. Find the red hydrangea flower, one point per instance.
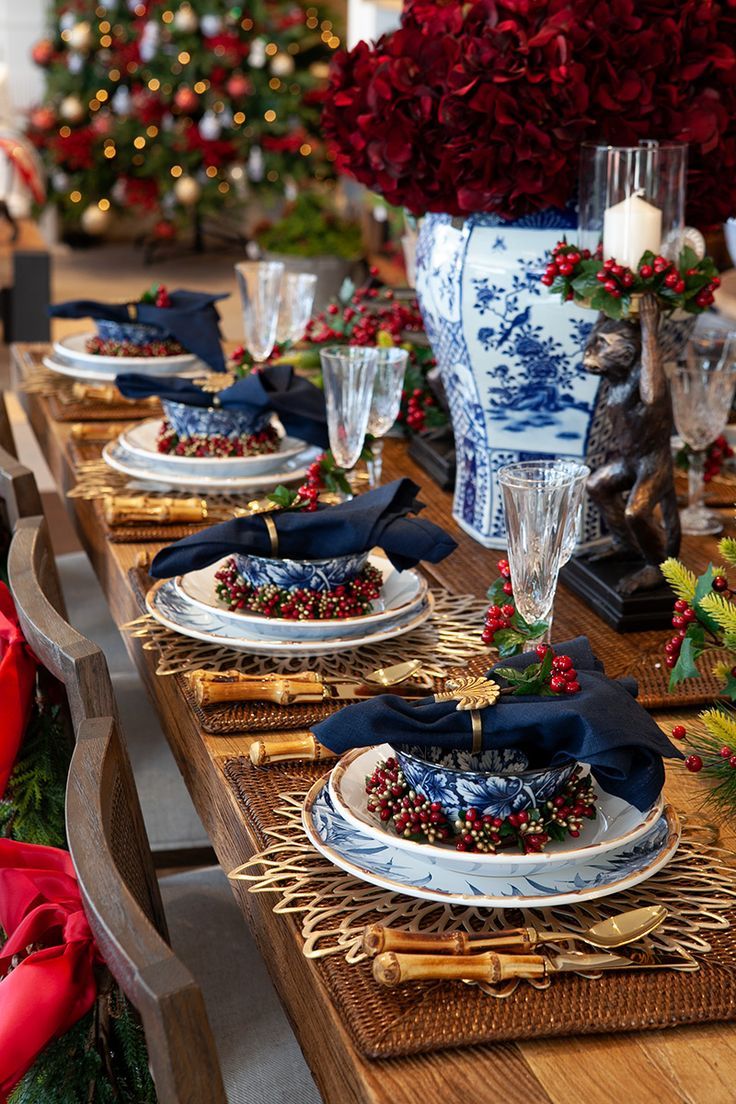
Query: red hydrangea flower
<point x="483" y="106"/>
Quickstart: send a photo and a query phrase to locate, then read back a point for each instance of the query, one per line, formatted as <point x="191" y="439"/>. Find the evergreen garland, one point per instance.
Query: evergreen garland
<point x="103" y="1058"/>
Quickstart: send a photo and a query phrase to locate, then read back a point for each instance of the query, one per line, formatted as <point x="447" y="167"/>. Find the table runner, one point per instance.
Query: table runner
<point x="328" y="908"/>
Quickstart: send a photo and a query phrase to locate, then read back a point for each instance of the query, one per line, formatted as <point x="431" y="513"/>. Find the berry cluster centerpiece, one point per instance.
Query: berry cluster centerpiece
<point x="479" y="829"/>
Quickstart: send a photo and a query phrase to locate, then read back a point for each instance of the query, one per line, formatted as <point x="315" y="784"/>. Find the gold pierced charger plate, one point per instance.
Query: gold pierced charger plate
<point x="388" y="867"/>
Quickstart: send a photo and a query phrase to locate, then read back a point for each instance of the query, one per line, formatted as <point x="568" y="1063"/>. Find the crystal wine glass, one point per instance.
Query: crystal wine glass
<point x="541" y="501"/>
<point x="259" y="283"/>
<point x="385" y="404"/>
<point x="348" y="373"/>
<point x="702" y="386"/>
<point x="297" y="299"/>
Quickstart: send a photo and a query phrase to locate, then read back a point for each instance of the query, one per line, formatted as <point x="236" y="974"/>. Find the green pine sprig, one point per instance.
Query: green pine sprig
<point x="681" y="579"/>
<point x="711" y="740"/>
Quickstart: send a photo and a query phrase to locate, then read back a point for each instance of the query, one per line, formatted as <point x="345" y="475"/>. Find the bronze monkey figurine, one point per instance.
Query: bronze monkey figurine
<point x="635" y="488"/>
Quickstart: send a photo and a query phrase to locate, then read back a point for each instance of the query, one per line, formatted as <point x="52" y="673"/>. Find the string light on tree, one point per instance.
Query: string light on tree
<point x="187" y="190"/>
<point x="185" y="19"/>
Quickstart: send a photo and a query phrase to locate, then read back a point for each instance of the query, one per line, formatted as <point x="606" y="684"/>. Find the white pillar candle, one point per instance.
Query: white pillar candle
<point x="629" y="229"/>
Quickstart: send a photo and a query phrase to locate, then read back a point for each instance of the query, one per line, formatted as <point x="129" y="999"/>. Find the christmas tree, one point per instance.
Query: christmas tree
<point x="172" y="108"/>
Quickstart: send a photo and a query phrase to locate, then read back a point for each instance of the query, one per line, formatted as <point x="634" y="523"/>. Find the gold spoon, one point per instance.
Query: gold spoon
<point x="625" y="927"/>
<point x="392" y="676"/>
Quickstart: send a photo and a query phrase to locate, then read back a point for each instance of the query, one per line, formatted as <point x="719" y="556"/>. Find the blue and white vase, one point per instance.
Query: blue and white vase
<point x="510" y="357"/>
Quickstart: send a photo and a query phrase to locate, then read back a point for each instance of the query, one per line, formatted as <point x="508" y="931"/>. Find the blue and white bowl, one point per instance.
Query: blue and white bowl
<point x="312" y="574"/>
<point x="196" y="421"/>
<point x="137" y="333"/>
<point x="497" y="782"/>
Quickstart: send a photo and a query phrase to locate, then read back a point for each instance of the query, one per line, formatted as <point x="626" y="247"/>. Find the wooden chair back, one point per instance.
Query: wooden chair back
<point x="110" y="850"/>
<point x="75" y="661"/>
<point x="19" y="495"/>
<point x="7" y="441"/>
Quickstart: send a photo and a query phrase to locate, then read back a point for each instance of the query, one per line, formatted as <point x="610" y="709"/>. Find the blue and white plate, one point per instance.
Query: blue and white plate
<point x="150" y="470"/>
<point x="140" y="440"/>
<point x="385" y="865"/>
<point x="402" y="593"/>
<point x="176" y="611"/>
<point x="617" y="824"/>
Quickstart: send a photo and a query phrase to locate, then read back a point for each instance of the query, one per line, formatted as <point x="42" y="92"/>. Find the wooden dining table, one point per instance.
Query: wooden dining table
<point x="692" y="1064"/>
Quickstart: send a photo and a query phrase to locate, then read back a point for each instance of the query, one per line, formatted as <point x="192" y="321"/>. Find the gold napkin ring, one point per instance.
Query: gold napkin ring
<point x="273" y="533"/>
<point x="132" y="311"/>
<point x="477" y="726"/>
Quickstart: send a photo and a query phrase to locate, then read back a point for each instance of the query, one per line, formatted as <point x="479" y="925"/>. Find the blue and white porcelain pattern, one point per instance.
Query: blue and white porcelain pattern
<point x="402" y="593"/>
<point x="314" y="574"/>
<point x="137" y="333"/>
<point x="168" y="605"/>
<point x="496" y="790"/>
<point x="195" y="421"/>
<point x="510" y="357"/>
<point x="387" y="866"/>
<point x="616" y="824"/>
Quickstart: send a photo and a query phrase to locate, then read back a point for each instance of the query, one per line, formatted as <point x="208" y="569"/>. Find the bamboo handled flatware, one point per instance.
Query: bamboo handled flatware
<point x="134" y="509"/>
<point x="392" y="969"/>
<point x="280" y="747"/>
<point x="106" y="393"/>
<point x="97" y="431"/>
<point x="216" y="687"/>
<point x="615" y="931"/>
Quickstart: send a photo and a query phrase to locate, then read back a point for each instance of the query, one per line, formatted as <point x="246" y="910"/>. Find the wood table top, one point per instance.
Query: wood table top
<point x="687" y="1064"/>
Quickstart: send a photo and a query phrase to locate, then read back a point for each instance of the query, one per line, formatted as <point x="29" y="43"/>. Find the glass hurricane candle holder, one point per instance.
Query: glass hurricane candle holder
<point x="632" y="199"/>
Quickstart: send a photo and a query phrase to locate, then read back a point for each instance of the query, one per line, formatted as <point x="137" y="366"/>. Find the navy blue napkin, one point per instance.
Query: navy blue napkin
<point x="192" y="319"/>
<point x="603" y="726"/>
<point x="299" y="404"/>
<point x="376" y="518"/>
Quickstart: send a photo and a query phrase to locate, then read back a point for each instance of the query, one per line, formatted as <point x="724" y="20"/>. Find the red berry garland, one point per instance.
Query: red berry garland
<point x="413" y="816"/>
<point x="154" y="348"/>
<point x="264" y="442"/>
<point x="353" y="598"/>
<point x="504" y="626"/>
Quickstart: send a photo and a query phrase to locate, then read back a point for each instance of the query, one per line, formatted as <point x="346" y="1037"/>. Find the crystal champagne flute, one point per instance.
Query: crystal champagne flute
<point x="259" y="283"/>
<point x="702" y="386"/>
<point x="348" y="373"/>
<point x="297" y="299"/>
<point x="542" y="500"/>
<point x="385" y="404"/>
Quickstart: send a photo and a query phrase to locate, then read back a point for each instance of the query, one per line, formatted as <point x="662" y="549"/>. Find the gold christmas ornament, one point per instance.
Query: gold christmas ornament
<point x="94" y="220"/>
<point x="80" y="37"/>
<point x="71" y="108"/>
<point x="187" y="190"/>
<point x="185" y="19"/>
<point x="282" y="65"/>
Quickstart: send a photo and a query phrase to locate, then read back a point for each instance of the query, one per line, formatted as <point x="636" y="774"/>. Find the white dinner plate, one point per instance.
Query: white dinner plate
<point x="140" y="440"/>
<point x="150" y="471"/>
<point x="617" y="823"/>
<point x="387" y="866"/>
<point x="108" y="375"/>
<point x="73" y="349"/>
<point x="402" y="593"/>
<point x="174" y="610"/>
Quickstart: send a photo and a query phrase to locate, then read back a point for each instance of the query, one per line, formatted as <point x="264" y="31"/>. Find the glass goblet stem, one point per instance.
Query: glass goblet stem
<point x="375" y="464"/>
<point x="696" y="481"/>
<point x="546" y="637"/>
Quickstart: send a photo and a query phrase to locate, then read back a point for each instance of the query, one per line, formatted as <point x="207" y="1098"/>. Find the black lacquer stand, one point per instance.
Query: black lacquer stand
<point x="596" y="583"/>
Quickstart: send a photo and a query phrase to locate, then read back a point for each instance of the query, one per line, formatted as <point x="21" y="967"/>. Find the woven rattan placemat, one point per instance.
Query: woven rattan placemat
<point x="410" y="1019"/>
<point x="64" y="409"/>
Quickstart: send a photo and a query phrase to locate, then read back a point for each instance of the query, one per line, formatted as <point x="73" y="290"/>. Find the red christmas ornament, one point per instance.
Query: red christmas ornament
<point x="43" y="118"/>
<point x="238" y="86"/>
<point x="186" y="100"/>
<point x="164" y="230"/>
<point x="43" y="52"/>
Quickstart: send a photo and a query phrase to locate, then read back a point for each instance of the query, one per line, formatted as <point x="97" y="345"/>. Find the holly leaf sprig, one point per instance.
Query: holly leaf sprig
<point x="704" y="618"/>
<point x="504" y="627"/>
<point x="323" y="474"/>
<point x="602" y="284"/>
<point x="534" y="679"/>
